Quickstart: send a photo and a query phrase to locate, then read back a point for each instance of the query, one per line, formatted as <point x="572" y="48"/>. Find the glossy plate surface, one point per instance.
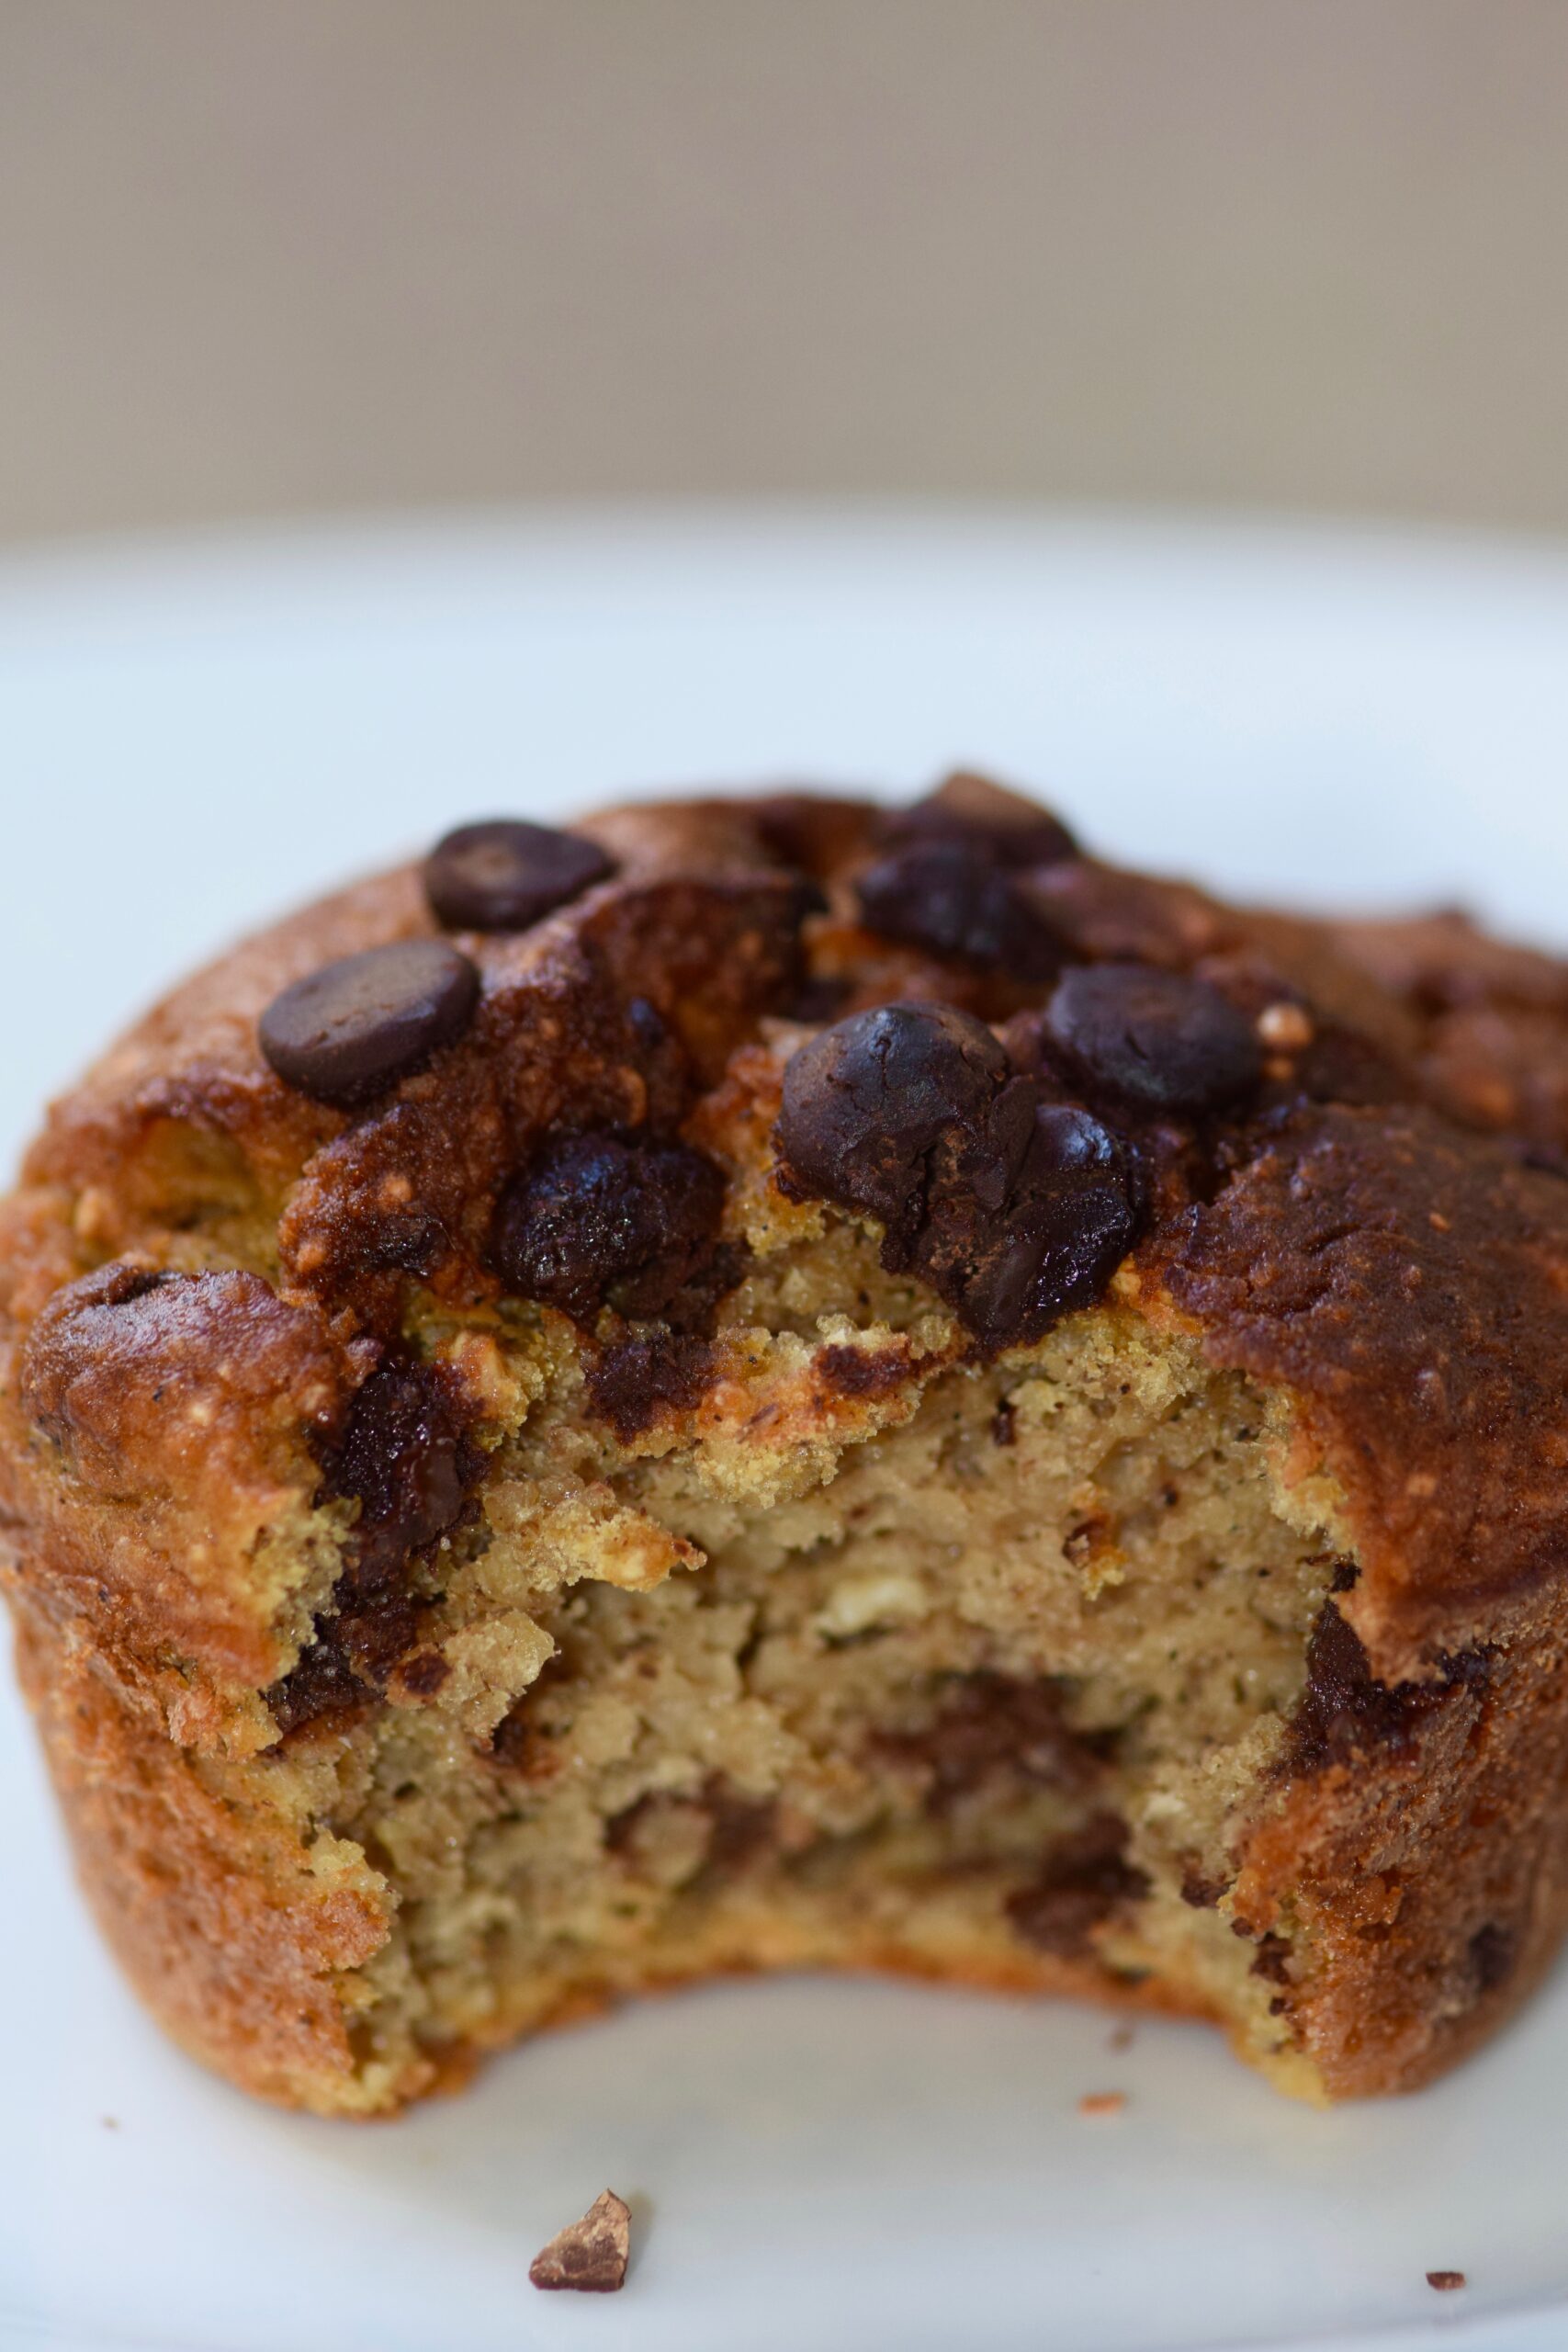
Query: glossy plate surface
<point x="193" y="739"/>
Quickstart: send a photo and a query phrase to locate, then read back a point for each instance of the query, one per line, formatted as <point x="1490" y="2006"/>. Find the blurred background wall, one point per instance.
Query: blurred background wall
<point x="265" y="256"/>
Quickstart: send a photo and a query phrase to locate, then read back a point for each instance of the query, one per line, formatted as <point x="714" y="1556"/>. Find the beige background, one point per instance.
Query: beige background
<point x="260" y="257"/>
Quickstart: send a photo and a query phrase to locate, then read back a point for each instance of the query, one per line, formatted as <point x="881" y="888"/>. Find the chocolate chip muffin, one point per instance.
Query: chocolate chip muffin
<point x="776" y="1383"/>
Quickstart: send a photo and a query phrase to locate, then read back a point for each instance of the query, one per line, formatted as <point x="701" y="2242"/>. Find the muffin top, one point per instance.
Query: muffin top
<point x="584" y="1069"/>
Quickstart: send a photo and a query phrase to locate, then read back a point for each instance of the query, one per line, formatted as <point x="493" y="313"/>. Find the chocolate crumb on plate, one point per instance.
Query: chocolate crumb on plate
<point x="588" y="2256"/>
<point x="1445" y="2282"/>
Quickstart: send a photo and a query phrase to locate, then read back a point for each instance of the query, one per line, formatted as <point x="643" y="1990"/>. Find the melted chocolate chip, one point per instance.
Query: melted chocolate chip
<point x="862" y="1371"/>
<point x="992" y="1724"/>
<point x="1083" y="1880"/>
<point x="1013" y="1250"/>
<point x="1153" y="1039"/>
<point x="404" y="1456"/>
<point x="1493" y="1953"/>
<point x="1344" y="1709"/>
<point x="599" y="1218"/>
<point x="1271" y="1960"/>
<point x="505" y="875"/>
<point x="633" y="1383"/>
<point x="867" y="1102"/>
<point x="346" y="1033"/>
<point x="950" y="896"/>
<point x="1015" y="1209"/>
<point x="967" y="808"/>
<point x="742" y="1829"/>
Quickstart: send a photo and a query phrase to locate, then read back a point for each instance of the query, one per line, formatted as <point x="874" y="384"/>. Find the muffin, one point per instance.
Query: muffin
<point x="782" y="1382"/>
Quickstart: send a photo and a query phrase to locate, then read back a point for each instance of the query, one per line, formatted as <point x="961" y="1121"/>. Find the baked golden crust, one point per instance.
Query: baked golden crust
<point x="203" y="1271"/>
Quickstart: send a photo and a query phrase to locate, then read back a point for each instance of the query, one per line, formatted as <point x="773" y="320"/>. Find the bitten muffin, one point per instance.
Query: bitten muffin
<point x="781" y="1383"/>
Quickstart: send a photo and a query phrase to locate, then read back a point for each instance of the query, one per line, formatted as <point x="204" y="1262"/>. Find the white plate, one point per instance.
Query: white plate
<point x="193" y="739"/>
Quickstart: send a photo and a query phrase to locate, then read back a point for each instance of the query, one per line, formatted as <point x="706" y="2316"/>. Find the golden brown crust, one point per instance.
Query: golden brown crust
<point x="1428" y="1865"/>
<point x="1408" y="1283"/>
<point x="235" y="1933"/>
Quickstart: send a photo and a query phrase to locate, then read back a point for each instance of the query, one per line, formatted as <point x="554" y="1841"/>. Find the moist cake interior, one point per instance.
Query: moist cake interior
<point x="967" y="1679"/>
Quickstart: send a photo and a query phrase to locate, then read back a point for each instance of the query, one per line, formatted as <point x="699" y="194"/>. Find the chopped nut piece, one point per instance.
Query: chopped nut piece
<point x="1285" y="1028"/>
<point x="589" y="2255"/>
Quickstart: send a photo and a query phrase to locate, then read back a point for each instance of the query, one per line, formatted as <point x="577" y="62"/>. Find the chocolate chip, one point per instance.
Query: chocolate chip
<point x="989" y="1726"/>
<point x="1154" y="1039"/>
<point x="589" y="2255"/>
<point x="1016" y="1210"/>
<point x="404" y="1456"/>
<point x="1445" y="2282"/>
<point x="971" y="809"/>
<point x="505" y="874"/>
<point x="633" y="1384"/>
<point x="1493" y="1951"/>
<point x="1344" y="1710"/>
<point x="601" y="1218"/>
<point x="867" y="1100"/>
<point x="346" y="1033"/>
<point x="951" y="895"/>
<point x="1271" y="1960"/>
<point x="1050" y="1243"/>
<point x="1084" y="1879"/>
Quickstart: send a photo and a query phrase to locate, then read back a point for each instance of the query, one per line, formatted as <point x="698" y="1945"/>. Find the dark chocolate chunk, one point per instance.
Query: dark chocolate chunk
<point x="1271" y="1960"/>
<point x="1051" y="1239"/>
<point x="867" y="1101"/>
<point x="423" y="1674"/>
<point x="348" y="1032"/>
<point x="598" y="1218"/>
<point x="589" y="2255"/>
<point x="1016" y="1210"/>
<point x="1084" y="1879"/>
<point x="1153" y="1039"/>
<point x="633" y="1383"/>
<point x="971" y="809"/>
<point x="1493" y="1951"/>
<point x="405" y="1457"/>
<point x="1344" y="1709"/>
<point x="742" y="1829"/>
<point x="1446" y="2283"/>
<point x="863" y="1372"/>
<point x="950" y="896"/>
<point x="991" y="1725"/>
<point x="325" y="1681"/>
<point x="505" y="874"/>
